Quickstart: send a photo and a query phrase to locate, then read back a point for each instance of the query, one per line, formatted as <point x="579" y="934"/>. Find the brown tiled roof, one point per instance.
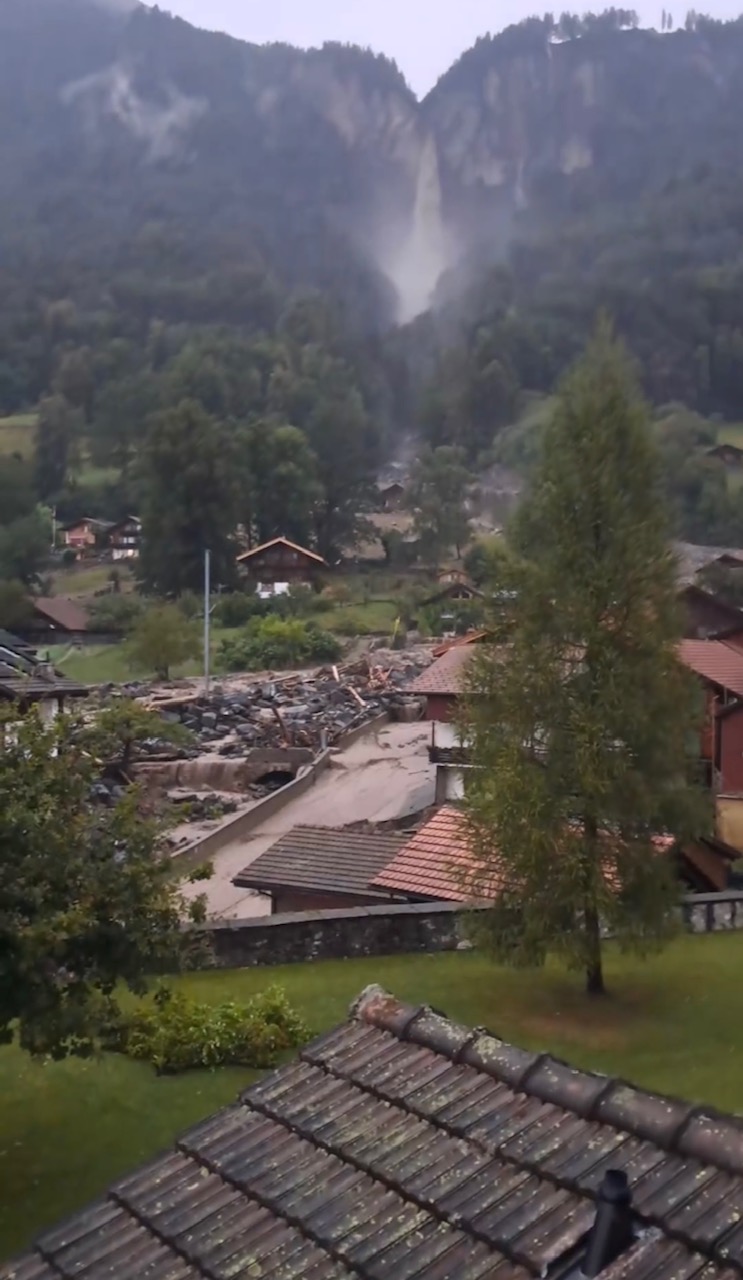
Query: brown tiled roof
<point x="436" y="863"/>
<point x="402" y="1146"/>
<point x="61" y="612"/>
<point x="445" y="675"/>
<point x="427" y="865"/>
<point x="716" y="662"/>
<point x="322" y="859"/>
<point x="280" y="542"/>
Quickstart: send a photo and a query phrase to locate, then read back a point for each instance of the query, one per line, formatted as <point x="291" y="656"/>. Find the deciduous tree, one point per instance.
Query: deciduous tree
<point x="191" y="486"/>
<point x="86" y="906"/>
<point x="24" y="547"/>
<point x="579" y="710"/>
<point x="15" y="606"/>
<point x="123" y="725"/>
<point x="162" y="639"/>
<point x="285" y="488"/>
<point x="437" y="498"/>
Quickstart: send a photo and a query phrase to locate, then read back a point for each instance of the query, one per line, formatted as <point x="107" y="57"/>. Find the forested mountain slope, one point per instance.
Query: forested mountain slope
<point x="166" y="191"/>
<point x="121" y="120"/>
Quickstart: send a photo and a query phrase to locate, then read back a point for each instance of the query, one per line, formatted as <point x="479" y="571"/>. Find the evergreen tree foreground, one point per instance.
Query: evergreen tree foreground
<point x="579" y="712"/>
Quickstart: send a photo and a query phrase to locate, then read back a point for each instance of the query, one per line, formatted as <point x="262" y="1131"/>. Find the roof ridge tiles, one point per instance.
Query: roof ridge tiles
<point x="673" y="1125"/>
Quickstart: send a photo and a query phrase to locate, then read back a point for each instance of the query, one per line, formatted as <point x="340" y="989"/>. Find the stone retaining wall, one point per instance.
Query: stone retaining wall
<point x="396" y="929"/>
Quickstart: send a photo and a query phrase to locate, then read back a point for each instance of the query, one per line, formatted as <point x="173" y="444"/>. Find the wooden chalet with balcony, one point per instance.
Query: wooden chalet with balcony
<point x="275" y="566"/>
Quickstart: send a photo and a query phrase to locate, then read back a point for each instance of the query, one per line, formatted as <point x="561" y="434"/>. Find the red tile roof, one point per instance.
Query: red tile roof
<point x="428" y="865"/>
<point x="436" y="863"/>
<point x="716" y="662"/>
<point x="446" y="675"/>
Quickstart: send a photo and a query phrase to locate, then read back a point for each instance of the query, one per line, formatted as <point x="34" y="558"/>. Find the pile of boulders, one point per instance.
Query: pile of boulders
<point x="311" y="710"/>
<point x="202" y="806"/>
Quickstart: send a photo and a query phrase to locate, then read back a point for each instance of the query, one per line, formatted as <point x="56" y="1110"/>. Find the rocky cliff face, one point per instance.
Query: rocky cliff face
<point x="161" y="115"/>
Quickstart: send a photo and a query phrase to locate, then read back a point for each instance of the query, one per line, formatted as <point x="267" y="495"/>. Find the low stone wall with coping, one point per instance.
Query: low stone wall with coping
<point x="396" y="929"/>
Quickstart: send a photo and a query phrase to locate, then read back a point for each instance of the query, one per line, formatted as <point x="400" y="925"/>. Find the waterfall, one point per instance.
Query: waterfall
<point x="424" y="254"/>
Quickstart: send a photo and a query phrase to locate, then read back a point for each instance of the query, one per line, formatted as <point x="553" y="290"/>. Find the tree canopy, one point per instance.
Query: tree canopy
<point x="86" y="906"/>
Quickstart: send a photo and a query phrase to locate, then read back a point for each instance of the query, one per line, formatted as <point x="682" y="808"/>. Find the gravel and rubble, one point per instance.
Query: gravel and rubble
<point x="302" y="709"/>
<point x="252" y="733"/>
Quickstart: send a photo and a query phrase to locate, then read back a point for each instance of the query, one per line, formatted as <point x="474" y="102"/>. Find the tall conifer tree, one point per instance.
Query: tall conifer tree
<point x="579" y="711"/>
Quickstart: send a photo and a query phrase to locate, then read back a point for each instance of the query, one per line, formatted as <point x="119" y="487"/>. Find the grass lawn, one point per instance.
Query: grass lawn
<point x="93" y="664"/>
<point x="86" y="580"/>
<point x="375" y="617"/>
<point x="108" y="663"/>
<point x="18" y="434"/>
<point x="68" y="1129"/>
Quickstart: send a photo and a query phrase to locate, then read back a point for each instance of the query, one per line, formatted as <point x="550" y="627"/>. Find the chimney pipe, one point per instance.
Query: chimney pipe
<point x="612" y="1232"/>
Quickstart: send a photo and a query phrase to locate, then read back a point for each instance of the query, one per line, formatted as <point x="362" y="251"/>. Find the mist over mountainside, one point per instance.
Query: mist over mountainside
<point x="116" y="114"/>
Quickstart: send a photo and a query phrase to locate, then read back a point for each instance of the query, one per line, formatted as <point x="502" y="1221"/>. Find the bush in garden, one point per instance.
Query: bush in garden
<point x="174" y="1033"/>
<point x="277" y="642"/>
<point x="238" y="608"/>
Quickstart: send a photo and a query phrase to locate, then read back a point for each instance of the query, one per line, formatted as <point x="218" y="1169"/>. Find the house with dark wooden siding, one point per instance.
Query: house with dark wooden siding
<point x="55" y="620"/>
<point x="280" y="564"/>
<point x="124" y="538"/>
<point x="707" y="617"/>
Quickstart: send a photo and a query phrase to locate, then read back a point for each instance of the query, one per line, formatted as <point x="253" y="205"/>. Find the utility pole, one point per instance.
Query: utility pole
<point x="207" y="616"/>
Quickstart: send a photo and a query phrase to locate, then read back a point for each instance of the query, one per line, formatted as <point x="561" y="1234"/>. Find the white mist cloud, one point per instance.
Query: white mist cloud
<point x="161" y="126"/>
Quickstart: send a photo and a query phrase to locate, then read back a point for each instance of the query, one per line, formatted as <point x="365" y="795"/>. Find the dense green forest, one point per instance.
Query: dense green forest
<point x="236" y="280"/>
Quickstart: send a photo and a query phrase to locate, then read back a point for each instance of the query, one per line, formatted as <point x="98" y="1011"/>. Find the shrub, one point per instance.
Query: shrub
<point x="116" y="613"/>
<point x="191" y="605"/>
<point x="174" y="1033"/>
<point x="277" y="642"/>
<point x="301" y="601"/>
<point x="238" y="608"/>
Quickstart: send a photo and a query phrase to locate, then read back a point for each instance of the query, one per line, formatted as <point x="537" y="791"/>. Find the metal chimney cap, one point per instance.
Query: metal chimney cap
<point x="614" y="1187"/>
